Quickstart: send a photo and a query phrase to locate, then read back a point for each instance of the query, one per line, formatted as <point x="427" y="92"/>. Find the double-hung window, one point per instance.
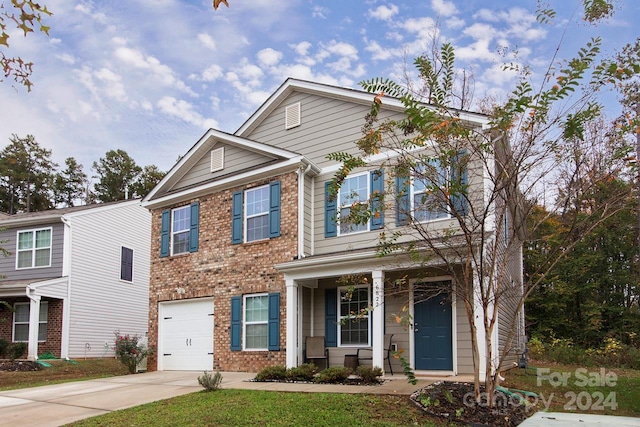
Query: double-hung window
<point x="353" y="324"/>
<point x="21" y="321"/>
<point x="255" y="322"/>
<point x="34" y="248"/>
<point x="256" y="203"/>
<point x="256" y="318"/>
<point x="353" y="191"/>
<point x="179" y="230"/>
<point x="429" y="200"/>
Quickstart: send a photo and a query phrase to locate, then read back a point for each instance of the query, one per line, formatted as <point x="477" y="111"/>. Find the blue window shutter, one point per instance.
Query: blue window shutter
<point x="164" y="233"/>
<point x="236" y="323"/>
<point x="274" y="209"/>
<point x="194" y="227"/>
<point x="331" y="317"/>
<point x="403" y="204"/>
<point x="330" y="211"/>
<point x="236" y="218"/>
<point x="459" y="177"/>
<point x="377" y="187"/>
<point x="274" y="322"/>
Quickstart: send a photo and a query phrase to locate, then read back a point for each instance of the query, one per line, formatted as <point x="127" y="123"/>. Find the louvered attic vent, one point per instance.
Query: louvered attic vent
<point x="292" y="116"/>
<point x="217" y="159"/>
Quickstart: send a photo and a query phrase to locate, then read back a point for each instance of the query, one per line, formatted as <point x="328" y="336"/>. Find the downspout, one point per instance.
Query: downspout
<point x="301" y="175"/>
<point x="66" y="303"/>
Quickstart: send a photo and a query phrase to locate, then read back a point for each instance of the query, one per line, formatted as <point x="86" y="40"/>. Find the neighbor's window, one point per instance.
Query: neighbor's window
<point x="21" y="321"/>
<point x="256" y="318"/>
<point x="427" y="198"/>
<point x="353" y="190"/>
<point x="353" y="325"/>
<point x="126" y="264"/>
<point x="34" y="248"/>
<point x="256" y="202"/>
<point x="180" y="221"/>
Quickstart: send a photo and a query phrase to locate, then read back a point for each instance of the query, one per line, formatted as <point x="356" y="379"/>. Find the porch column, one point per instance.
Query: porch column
<point x="377" y="321"/>
<point x="34" y="326"/>
<point x="292" y="323"/>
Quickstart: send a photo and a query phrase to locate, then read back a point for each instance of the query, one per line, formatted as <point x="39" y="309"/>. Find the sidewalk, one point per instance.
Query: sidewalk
<point x="59" y="404"/>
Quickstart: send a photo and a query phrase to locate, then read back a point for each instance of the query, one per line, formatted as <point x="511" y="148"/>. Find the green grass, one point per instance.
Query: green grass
<point x="245" y="407"/>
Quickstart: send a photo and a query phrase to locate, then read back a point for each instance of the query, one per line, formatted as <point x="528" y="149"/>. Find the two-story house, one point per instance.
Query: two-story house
<point x="74" y="276"/>
<point x="247" y="249"/>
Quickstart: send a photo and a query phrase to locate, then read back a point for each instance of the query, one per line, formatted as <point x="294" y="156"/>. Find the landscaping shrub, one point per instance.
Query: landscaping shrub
<point x="333" y="375"/>
<point x="130" y="351"/>
<point x="369" y="374"/>
<point x="612" y="354"/>
<point x="272" y="373"/>
<point x="4" y="346"/>
<point x="210" y="382"/>
<point x="17" y="350"/>
<point x="304" y="372"/>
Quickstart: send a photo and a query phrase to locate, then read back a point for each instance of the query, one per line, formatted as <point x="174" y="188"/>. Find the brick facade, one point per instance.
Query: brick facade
<point x="222" y="270"/>
<point x="54" y="325"/>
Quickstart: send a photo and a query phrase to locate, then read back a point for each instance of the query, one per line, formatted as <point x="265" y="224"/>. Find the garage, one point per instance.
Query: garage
<point x="186" y="335"/>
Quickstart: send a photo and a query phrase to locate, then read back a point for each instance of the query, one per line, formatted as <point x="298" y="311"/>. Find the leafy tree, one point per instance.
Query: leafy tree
<point x="117" y="172"/>
<point x="26" y="173"/>
<point x="70" y="185"/>
<point x="525" y="146"/>
<point x="216" y="3"/>
<point x="27" y="15"/>
<point x="145" y="182"/>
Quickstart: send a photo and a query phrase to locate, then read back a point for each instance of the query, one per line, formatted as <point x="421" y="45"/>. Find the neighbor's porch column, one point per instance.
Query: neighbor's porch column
<point x="377" y="321"/>
<point x="34" y="325"/>
<point x="292" y="323"/>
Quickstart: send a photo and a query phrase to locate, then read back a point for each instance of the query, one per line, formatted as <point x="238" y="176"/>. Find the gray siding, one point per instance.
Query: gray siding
<point x="100" y="302"/>
<point x="8" y="239"/>
<point x="235" y="160"/>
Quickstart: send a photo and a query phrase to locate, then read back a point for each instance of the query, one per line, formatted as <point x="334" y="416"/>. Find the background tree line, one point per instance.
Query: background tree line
<point x="31" y="181"/>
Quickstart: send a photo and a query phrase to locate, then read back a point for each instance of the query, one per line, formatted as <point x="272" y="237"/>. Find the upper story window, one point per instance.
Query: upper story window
<point x="34" y="248"/>
<point x="256" y="220"/>
<point x="126" y="264"/>
<point x="353" y="325"/>
<point x="428" y="192"/>
<point x="179" y="230"/>
<point x="21" y="321"/>
<point x="354" y="190"/>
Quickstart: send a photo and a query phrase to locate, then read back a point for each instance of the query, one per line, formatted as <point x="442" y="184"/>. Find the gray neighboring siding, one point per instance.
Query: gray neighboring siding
<point x="9" y="237"/>
<point x="236" y="160"/>
<point x="101" y="303"/>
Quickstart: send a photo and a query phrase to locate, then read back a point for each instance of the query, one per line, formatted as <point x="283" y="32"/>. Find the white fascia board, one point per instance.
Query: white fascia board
<point x="190" y="193"/>
<point x="99" y="208"/>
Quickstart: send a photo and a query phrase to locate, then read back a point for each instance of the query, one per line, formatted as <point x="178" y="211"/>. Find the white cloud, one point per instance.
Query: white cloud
<point x="444" y="8"/>
<point x="378" y="52"/>
<point x="269" y="57"/>
<point x="207" y="41"/>
<point x="66" y="58"/>
<point x="301" y="48"/>
<point x="342" y="49"/>
<point x="319" y="12"/>
<point x="214" y="72"/>
<point x="454" y="23"/>
<point x="383" y="12"/>
<point x="185" y="111"/>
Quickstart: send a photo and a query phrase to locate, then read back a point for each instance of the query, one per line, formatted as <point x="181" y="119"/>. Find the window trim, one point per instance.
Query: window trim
<point x="33" y="248"/>
<point x="446" y="173"/>
<point x="172" y="232"/>
<point x="122" y="249"/>
<point x="40" y="322"/>
<point x="245" y="322"/>
<point x="246" y="217"/>
<point x="340" y="317"/>
<point x="365" y="200"/>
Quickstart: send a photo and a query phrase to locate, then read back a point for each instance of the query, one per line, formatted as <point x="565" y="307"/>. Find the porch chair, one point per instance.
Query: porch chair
<point x="316" y="350"/>
<point x="388" y="339"/>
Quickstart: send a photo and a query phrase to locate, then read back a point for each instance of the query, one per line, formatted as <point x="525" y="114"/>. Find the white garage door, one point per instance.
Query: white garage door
<point x="186" y="335"/>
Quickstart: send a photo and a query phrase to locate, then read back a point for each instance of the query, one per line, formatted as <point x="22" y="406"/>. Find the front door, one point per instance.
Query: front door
<point x="433" y="334"/>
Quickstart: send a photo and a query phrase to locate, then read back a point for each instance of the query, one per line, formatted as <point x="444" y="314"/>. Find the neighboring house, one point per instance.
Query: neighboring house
<point x="74" y="276"/>
<point x="246" y="252"/>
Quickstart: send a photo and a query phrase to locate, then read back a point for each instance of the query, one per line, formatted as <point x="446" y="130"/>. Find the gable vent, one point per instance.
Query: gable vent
<point x="217" y="159"/>
<point x="292" y="116"/>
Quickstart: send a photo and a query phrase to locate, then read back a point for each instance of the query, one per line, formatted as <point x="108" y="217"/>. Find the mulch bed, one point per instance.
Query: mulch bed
<point x="454" y="401"/>
<point x="19" y="365"/>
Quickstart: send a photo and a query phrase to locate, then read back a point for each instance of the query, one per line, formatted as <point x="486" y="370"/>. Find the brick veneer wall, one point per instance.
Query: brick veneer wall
<point x="222" y="270"/>
<point x="54" y="325"/>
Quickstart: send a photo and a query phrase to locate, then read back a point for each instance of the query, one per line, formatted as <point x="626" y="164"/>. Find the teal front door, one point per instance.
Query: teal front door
<point x="433" y="334"/>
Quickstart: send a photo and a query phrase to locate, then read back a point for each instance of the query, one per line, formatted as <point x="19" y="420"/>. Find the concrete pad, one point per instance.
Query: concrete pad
<point x="560" y="419"/>
<point x="41" y="414"/>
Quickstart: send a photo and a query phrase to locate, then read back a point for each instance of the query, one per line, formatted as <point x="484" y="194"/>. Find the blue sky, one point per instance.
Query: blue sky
<point x="151" y="76"/>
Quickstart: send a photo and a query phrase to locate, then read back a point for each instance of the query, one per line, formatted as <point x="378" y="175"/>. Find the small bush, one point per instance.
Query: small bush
<point x="304" y="372"/>
<point x="272" y="373"/>
<point x="17" y="350"/>
<point x="369" y="374"/>
<point x="333" y="375"/>
<point x="130" y="350"/>
<point x="210" y="382"/>
<point x="4" y="346"/>
<point x="535" y="347"/>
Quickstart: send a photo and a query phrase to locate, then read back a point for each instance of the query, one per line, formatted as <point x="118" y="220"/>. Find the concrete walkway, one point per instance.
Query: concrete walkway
<point x="59" y="404"/>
